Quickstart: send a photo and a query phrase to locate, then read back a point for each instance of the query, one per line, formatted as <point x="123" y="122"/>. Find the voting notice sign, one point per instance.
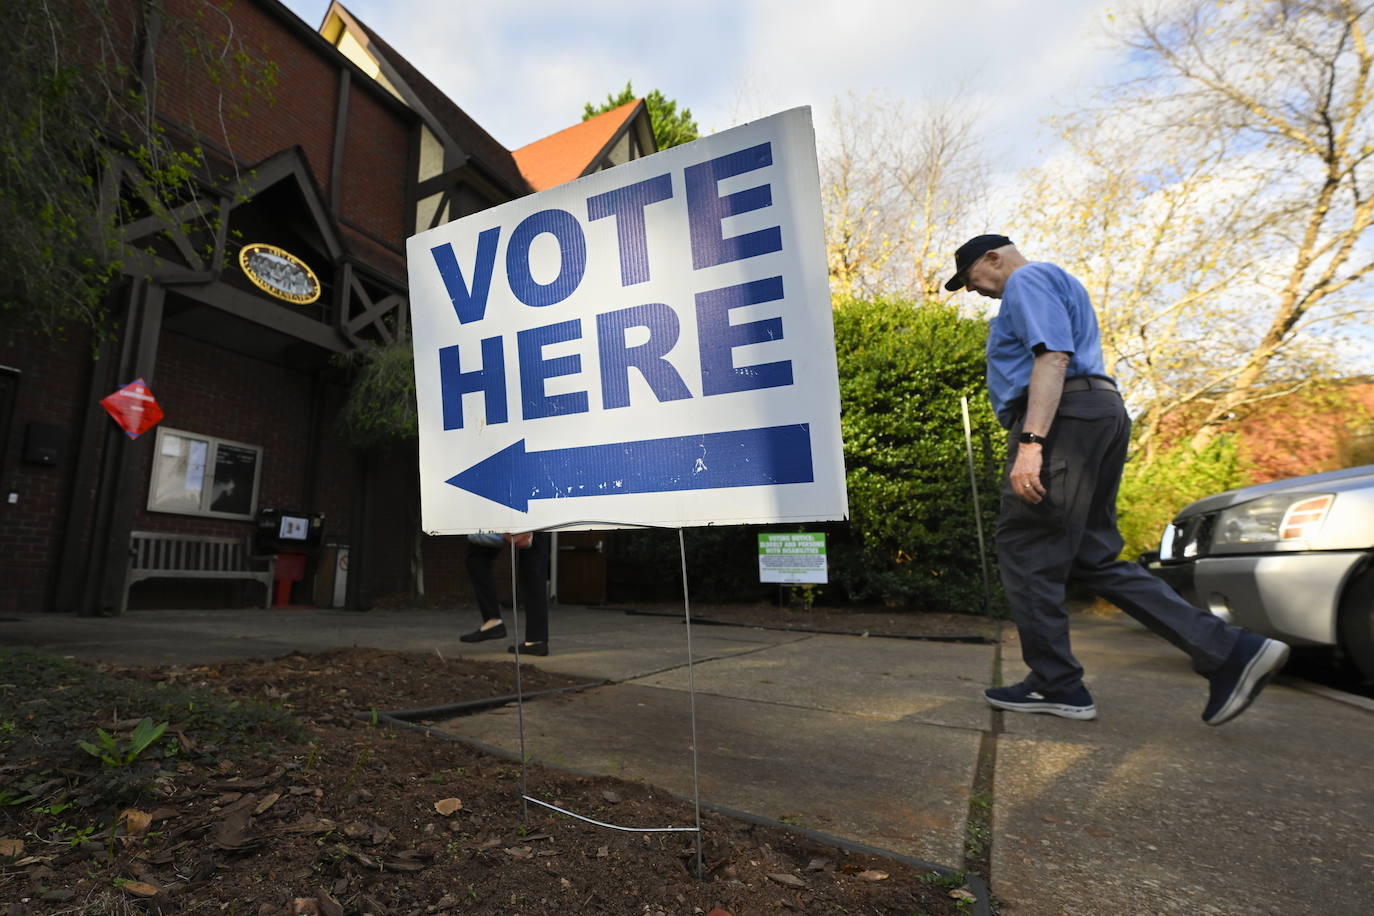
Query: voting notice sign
<point x="648" y="345"/>
<point x="793" y="558"/>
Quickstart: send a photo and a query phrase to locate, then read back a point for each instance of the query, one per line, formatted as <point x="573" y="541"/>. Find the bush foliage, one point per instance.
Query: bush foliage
<point x="912" y="541"/>
<point x="903" y="368"/>
<point x="1151" y="494"/>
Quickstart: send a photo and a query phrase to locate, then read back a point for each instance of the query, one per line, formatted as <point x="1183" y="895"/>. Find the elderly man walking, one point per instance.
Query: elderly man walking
<point x="1068" y="434"/>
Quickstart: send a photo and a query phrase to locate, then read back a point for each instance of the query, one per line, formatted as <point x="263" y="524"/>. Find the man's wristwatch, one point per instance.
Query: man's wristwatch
<point x="1030" y="438"/>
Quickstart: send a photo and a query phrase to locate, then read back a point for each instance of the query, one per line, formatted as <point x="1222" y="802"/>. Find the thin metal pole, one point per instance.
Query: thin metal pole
<point x="519" y="693"/>
<point x="977" y="507"/>
<point x="692" y="699"/>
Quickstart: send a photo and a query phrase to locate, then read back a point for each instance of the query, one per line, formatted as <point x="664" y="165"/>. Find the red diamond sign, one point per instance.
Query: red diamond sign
<point x="133" y="408"/>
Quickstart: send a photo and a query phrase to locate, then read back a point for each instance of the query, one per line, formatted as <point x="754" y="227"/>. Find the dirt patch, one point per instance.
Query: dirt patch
<point x="339" y="813"/>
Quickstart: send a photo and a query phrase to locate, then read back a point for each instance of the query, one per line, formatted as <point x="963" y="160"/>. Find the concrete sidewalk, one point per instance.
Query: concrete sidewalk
<point x="876" y="740"/>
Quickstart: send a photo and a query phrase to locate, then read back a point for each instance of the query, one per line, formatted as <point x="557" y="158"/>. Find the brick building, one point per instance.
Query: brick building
<point x="235" y="314"/>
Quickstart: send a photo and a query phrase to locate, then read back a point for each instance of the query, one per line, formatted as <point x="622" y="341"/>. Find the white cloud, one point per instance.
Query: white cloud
<point x="524" y="69"/>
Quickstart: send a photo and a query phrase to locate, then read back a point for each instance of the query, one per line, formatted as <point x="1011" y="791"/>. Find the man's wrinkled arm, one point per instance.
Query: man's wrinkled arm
<point x="1042" y="401"/>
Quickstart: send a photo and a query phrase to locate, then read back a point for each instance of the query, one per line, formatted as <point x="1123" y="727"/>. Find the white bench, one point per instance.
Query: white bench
<point x="154" y="555"/>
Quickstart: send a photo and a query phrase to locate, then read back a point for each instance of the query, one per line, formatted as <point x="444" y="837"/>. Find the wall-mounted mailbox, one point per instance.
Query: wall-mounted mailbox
<point x="45" y="444"/>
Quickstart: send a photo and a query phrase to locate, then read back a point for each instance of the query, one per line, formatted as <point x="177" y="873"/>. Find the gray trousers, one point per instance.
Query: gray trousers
<point x="1072" y="534"/>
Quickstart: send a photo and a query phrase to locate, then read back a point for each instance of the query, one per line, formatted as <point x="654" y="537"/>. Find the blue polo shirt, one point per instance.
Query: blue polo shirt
<point x="1042" y="307"/>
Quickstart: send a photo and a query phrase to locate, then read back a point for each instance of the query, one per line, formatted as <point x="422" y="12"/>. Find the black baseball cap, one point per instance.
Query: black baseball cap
<point x="969" y="252"/>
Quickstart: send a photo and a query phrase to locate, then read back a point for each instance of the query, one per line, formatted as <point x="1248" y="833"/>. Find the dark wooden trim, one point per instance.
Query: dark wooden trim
<point x="314" y="40"/>
<point x="119" y="484"/>
<point x="336" y="163"/>
<point x="252" y="308"/>
<point x="367" y="234"/>
<point x="452" y="151"/>
<point x="148" y="40"/>
<point x="410" y="219"/>
<point x="73" y="560"/>
<point x="624" y="128"/>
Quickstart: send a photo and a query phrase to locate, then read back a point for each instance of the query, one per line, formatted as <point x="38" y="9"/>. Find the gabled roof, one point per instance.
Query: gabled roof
<point x="463" y="130"/>
<point x="577" y="150"/>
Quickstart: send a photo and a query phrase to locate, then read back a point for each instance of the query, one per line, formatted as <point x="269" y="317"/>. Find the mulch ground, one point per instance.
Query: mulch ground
<point x="278" y="789"/>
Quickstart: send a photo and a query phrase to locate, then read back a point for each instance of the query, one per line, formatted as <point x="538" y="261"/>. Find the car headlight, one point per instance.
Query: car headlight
<point x="1186" y="539"/>
<point x="1272" y="519"/>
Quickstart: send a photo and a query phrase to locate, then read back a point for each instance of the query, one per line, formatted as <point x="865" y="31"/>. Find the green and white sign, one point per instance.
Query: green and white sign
<point x="798" y="557"/>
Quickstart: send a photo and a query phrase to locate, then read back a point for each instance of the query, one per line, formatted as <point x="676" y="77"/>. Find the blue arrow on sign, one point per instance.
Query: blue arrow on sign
<point x="741" y="458"/>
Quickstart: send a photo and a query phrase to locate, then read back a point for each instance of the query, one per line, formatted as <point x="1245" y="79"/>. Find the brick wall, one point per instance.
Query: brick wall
<point x="51" y="388"/>
<point x="298" y="110"/>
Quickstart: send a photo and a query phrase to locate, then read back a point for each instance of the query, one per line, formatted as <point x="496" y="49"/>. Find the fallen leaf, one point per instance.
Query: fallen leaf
<point x="406" y="862"/>
<point x="141" y="889"/>
<point x="603" y="851"/>
<point x="266" y="803"/>
<point x="328" y="905"/>
<point x="611" y="797"/>
<point x="961" y="894"/>
<point x="522" y="852"/>
<point x="446" y="806"/>
<point x="787" y="880"/>
<point x="136" y="822"/>
<point x="305" y="906"/>
<point x="818" y="864"/>
<point x="11" y="848"/>
<point x="872" y="875"/>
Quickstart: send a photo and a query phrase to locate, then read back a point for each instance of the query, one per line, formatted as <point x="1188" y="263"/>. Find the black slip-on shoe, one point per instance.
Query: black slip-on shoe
<point x="1021" y="698"/>
<point x="530" y="648"/>
<point x="481" y="635"/>
<point x="1240" y="679"/>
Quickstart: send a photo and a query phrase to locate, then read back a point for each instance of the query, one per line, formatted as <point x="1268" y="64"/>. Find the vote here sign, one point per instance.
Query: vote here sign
<point x="648" y="345"/>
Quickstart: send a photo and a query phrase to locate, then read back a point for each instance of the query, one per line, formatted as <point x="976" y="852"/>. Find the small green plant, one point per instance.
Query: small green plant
<point x="8" y="798"/>
<point x="72" y="836"/>
<point x="948" y="880"/>
<point x="114" y="753"/>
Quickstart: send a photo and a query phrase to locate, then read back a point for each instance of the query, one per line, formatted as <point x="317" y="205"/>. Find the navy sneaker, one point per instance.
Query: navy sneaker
<point x="1242" y="676"/>
<point x="1021" y="698"/>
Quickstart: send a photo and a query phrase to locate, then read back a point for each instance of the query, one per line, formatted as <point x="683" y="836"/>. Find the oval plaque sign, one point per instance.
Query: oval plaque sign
<point x="279" y="273"/>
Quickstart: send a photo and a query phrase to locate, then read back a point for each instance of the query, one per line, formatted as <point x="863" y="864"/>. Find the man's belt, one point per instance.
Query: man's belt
<point x="1089" y="383"/>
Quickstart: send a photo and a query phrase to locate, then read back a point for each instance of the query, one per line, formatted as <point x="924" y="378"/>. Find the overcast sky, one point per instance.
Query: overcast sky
<point x="524" y="68"/>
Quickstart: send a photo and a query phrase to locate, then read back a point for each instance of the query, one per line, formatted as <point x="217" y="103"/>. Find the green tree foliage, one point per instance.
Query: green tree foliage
<point x="903" y="368"/>
<point x="671" y="127"/>
<point x="71" y="100"/>
<point x="1152" y="493"/>
<point x="59" y="252"/>
<point x="380" y="409"/>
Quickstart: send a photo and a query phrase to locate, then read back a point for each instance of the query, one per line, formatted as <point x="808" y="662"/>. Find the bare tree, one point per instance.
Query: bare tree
<point x="900" y="188"/>
<point x="1221" y="206"/>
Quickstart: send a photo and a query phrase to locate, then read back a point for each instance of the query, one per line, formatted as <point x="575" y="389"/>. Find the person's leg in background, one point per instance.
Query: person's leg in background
<point x="479" y="563"/>
<point x="533" y="582"/>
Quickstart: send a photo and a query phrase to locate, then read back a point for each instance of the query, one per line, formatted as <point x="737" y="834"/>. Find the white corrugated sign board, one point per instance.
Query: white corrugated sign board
<point x="648" y="345"/>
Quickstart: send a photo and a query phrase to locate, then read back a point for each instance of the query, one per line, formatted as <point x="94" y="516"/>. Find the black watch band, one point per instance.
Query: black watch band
<point x="1030" y="438"/>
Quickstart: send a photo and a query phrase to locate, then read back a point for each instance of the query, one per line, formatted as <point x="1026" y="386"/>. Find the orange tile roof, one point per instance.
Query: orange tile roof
<point x="563" y="156"/>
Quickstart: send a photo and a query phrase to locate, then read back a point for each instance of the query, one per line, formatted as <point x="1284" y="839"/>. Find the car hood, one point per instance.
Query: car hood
<point x="1329" y="482"/>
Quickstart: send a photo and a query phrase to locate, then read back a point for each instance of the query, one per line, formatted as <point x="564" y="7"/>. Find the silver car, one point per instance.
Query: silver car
<point x="1292" y="559"/>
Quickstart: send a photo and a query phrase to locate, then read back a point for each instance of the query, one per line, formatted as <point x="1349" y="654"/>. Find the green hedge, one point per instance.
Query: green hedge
<point x="912" y="540"/>
<point x="903" y="368"/>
